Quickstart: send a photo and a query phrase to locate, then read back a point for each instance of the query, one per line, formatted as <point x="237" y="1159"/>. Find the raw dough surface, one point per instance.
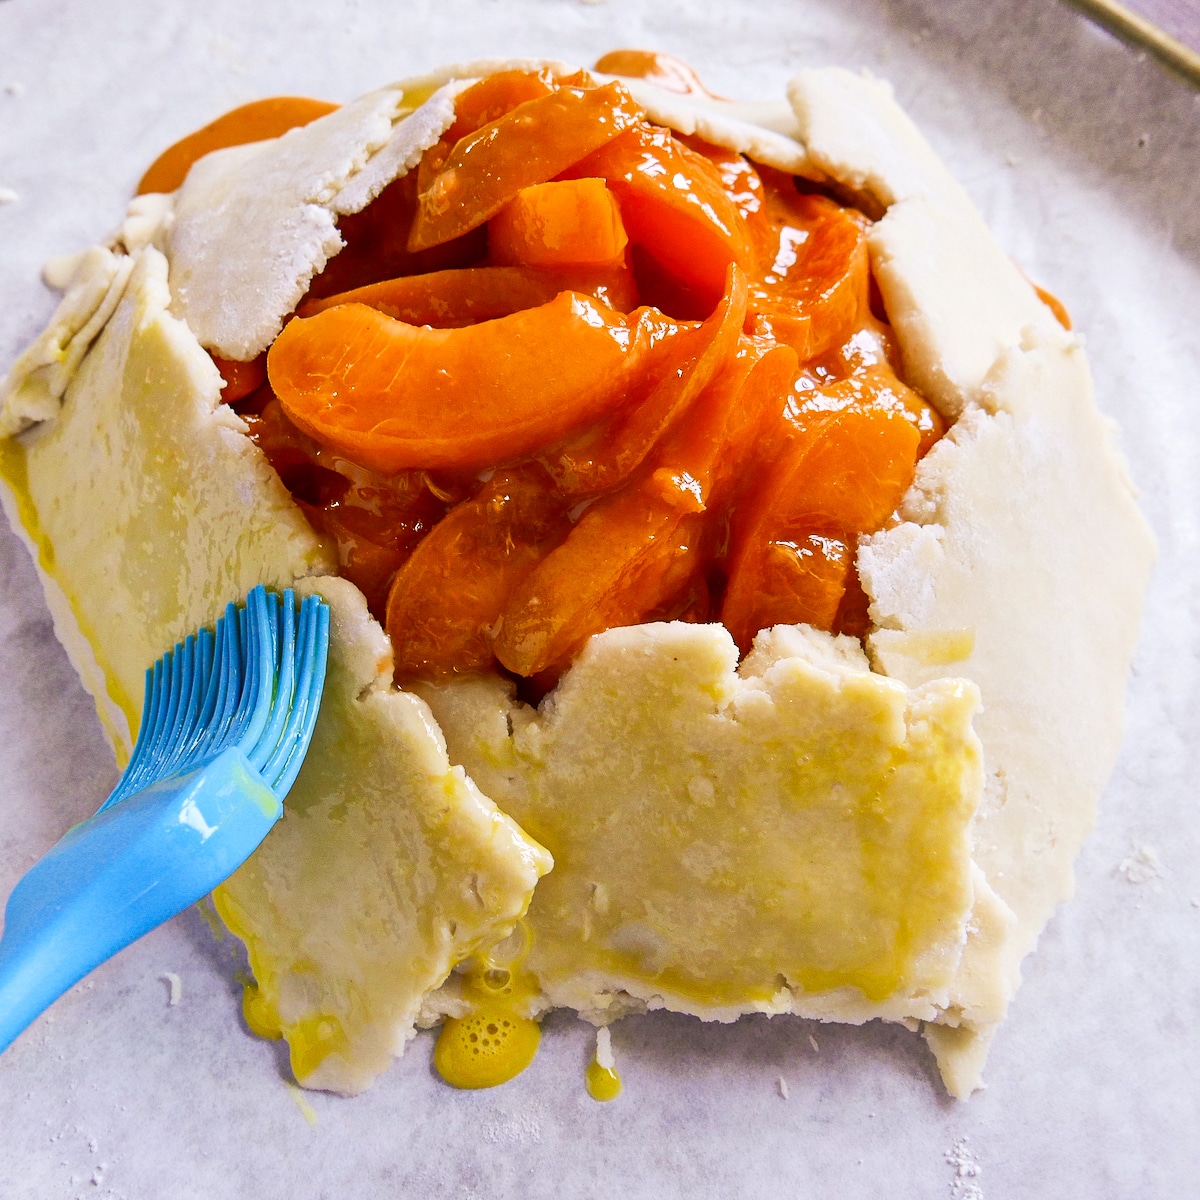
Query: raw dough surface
<point x="147" y="504"/>
<point x="34" y="385"/>
<point x="388" y="868"/>
<point x="1049" y="592"/>
<point x="268" y="213"/>
<point x="790" y="838"/>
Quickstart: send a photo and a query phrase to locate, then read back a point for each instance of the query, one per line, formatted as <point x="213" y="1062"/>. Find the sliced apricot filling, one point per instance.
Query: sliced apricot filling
<point x="643" y="550"/>
<point x="575" y="372"/>
<point x="450" y="299"/>
<point x="533" y="143"/>
<point x="558" y="224"/>
<point x="677" y="213"/>
<point x="391" y="395"/>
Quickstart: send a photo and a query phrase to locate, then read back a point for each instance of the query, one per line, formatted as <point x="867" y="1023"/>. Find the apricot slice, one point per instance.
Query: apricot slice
<point x="721" y="435"/>
<point x="627" y="553"/>
<point x="663" y="70"/>
<point x="377" y="244"/>
<point x="814" y="289"/>
<point x="636" y="552"/>
<point x="787" y="581"/>
<point x="873" y="382"/>
<point x="674" y="206"/>
<point x="531" y="144"/>
<point x="739" y="177"/>
<point x="444" y="604"/>
<point x="560" y="223"/>
<point x="603" y="457"/>
<point x="493" y="97"/>
<point x="241" y="378"/>
<point x="840" y="473"/>
<point x="389" y="395"/>
<point x="451" y="299"/>
<point x="845" y="470"/>
<point x="254" y="122"/>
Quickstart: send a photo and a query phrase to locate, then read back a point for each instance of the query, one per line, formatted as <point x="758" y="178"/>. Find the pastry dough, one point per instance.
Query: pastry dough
<point x="422" y="870"/>
<point x="712" y="826"/>
<point x="703" y="870"/>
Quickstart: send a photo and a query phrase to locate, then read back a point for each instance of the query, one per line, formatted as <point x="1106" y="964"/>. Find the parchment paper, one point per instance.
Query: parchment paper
<point x="1085" y="160"/>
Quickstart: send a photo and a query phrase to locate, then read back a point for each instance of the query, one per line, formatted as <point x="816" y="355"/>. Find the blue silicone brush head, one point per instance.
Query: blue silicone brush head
<point x="227" y="720"/>
<point x="253" y="682"/>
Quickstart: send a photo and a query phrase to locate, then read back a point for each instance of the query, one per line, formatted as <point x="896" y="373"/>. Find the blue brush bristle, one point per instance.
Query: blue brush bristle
<point x="226" y="723"/>
<point x="253" y="682"/>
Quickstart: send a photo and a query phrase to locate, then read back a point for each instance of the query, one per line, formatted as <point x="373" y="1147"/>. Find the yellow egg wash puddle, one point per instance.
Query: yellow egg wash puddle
<point x="495" y="1041"/>
<point x="603" y="1082"/>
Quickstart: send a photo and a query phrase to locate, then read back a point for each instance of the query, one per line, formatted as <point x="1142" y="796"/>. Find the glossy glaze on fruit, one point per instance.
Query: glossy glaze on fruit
<point x="575" y="372"/>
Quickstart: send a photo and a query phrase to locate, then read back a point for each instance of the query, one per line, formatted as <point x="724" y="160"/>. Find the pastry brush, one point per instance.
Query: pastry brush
<point x="226" y="722"/>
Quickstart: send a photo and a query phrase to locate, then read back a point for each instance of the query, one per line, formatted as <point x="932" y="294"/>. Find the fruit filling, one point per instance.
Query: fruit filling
<point x="576" y="371"/>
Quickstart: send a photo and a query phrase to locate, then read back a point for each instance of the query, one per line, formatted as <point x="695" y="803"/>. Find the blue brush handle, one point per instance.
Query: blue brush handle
<point x="122" y="872"/>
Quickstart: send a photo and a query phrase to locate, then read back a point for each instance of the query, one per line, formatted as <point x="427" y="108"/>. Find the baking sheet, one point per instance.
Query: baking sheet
<point x="1085" y="158"/>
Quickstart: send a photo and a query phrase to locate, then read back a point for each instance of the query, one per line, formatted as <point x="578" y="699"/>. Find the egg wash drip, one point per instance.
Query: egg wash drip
<point x="601" y="1078"/>
<point x="495" y="1041"/>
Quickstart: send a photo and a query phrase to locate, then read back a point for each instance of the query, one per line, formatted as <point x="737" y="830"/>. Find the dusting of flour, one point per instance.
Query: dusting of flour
<point x="963" y="1184"/>
<point x="1141" y="866"/>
